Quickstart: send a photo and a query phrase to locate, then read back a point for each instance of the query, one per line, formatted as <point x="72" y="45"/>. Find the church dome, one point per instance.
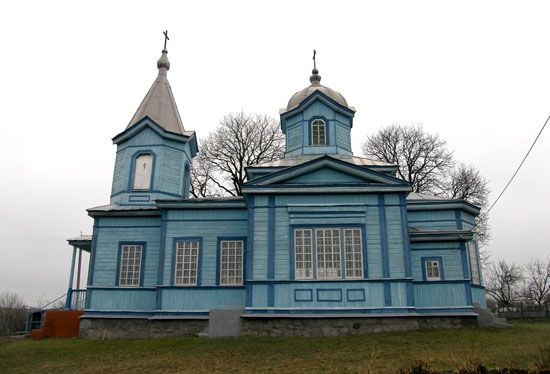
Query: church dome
<point x="315" y="85"/>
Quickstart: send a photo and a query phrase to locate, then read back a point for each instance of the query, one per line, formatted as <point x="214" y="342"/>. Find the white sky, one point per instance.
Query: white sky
<point x="73" y="73"/>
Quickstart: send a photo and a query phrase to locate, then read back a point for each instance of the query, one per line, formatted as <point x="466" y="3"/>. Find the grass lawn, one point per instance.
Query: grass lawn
<point x="386" y="352"/>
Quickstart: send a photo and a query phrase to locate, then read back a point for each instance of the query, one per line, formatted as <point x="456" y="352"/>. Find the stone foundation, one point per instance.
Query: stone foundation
<point x="114" y="328"/>
<point x="348" y="326"/>
<point x="128" y="328"/>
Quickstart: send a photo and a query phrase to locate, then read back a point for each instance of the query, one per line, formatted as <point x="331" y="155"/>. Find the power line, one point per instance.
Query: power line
<point x="519" y="167"/>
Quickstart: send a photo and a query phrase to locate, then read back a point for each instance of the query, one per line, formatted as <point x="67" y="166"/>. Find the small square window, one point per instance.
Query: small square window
<point x="433" y="270"/>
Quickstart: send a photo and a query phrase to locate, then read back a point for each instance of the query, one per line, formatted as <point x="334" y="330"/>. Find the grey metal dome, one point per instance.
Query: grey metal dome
<point x="315" y="80"/>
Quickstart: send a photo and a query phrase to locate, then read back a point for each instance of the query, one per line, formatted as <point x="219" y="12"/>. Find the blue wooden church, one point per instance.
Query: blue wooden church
<point x="321" y="243"/>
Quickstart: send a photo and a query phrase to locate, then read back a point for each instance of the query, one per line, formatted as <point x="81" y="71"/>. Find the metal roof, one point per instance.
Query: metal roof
<point x="423" y="196"/>
<point x="297" y="160"/>
<point x="159" y="103"/>
<point x="315" y="85"/>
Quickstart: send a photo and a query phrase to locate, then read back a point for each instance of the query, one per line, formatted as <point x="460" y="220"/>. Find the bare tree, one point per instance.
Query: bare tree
<point x="240" y="140"/>
<point x="424" y="160"/>
<point x="203" y="178"/>
<point x="13" y="313"/>
<point x="502" y="281"/>
<point x="421" y="158"/>
<point x="537" y="281"/>
<point x="466" y="182"/>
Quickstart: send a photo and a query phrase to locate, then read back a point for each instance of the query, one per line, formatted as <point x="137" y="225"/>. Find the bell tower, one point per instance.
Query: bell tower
<point x="317" y="120"/>
<point x="154" y="152"/>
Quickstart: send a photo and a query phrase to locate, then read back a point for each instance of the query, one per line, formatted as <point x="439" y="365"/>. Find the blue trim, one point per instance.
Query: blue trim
<point x="250" y="244"/>
<point x="162" y="256"/>
<point x="383" y="236"/>
<point x="365" y="253"/>
<point x="468" y="291"/>
<point x="435" y="249"/>
<point x="271" y="295"/>
<point x="360" y="290"/>
<point x="458" y="219"/>
<point x="133" y="168"/>
<point x="340" y="280"/>
<point x="464" y="259"/>
<point x="271" y="238"/>
<point x="338" y="290"/>
<point x="405" y="311"/>
<point x="199" y="260"/>
<point x="139" y="198"/>
<point x="445" y="281"/>
<point x="142" y="259"/>
<point x="293" y="254"/>
<point x="248" y="294"/>
<point x="219" y="258"/>
<point x="186" y="180"/>
<point x="309" y="292"/>
<point x="405" y="236"/>
<point x="202" y="287"/>
<point x="209" y="220"/>
<point x="130" y="227"/>
<point x="410" y="293"/>
<point x="387" y="294"/>
<point x="146" y="191"/>
<point x="439" y="259"/>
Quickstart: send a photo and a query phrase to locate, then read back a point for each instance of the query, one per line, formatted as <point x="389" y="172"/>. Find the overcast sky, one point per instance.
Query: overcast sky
<point x="73" y="73"/>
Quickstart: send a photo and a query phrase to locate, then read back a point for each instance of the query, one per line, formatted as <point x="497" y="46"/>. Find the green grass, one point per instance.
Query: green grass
<point x="386" y="352"/>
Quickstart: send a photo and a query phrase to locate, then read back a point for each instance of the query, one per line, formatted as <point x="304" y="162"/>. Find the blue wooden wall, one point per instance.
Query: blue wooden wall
<point x="297" y="129"/>
<point x="170" y="161"/>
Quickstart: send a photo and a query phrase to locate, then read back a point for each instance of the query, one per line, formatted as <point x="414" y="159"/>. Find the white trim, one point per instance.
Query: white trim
<point x="130" y="275"/>
<point x="353" y="253"/>
<point x="304" y="254"/>
<point x="433" y="277"/>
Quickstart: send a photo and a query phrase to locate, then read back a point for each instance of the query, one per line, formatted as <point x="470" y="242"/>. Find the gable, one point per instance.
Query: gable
<point x="326" y="173"/>
<point x="324" y="176"/>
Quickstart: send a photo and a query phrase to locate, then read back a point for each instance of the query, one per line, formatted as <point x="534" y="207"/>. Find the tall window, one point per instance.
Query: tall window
<point x="187" y="258"/>
<point x="327" y="243"/>
<point x="231" y="269"/>
<point x="433" y="270"/>
<point x="143" y="169"/>
<point x="319" y="133"/>
<point x="303" y="258"/>
<point x="353" y="253"/>
<point x="130" y="265"/>
<point x="474" y="267"/>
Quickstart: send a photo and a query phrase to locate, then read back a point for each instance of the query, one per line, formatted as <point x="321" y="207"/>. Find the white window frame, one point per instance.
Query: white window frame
<point x="353" y="253"/>
<point x="329" y="253"/>
<point x="130" y="265"/>
<point x="474" y="265"/>
<point x="303" y="254"/>
<point x="187" y="253"/>
<point x="231" y="262"/>
<point x="145" y="181"/>
<point x="319" y="124"/>
<point x="432" y="277"/>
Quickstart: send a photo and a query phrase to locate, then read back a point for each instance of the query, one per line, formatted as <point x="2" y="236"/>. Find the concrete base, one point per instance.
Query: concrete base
<point x="126" y="328"/>
<point x="224" y="322"/>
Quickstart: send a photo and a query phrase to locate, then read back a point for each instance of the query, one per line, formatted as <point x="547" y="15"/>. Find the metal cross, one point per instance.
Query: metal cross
<point x="314" y="62"/>
<point x="166" y="38"/>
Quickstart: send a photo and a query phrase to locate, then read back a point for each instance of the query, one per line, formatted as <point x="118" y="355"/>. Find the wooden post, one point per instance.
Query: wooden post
<point x="79" y="268"/>
<point x="71" y="278"/>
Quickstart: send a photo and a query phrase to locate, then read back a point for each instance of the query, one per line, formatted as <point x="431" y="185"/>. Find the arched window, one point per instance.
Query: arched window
<point x="143" y="169"/>
<point x="318" y="132"/>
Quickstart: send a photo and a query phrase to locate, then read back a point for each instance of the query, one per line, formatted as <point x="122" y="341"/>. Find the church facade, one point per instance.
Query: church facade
<point x="321" y="239"/>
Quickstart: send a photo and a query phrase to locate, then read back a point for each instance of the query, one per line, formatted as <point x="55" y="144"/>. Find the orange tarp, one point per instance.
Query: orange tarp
<point x="59" y="324"/>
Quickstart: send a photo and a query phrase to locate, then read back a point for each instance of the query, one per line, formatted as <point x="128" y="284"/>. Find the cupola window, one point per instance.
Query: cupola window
<point x="143" y="170"/>
<point x="318" y="129"/>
